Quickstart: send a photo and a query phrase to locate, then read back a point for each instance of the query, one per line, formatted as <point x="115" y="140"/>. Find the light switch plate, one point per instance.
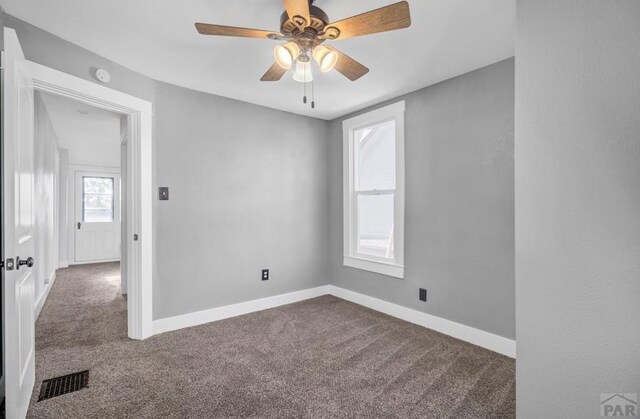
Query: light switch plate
<point x="163" y="193"/>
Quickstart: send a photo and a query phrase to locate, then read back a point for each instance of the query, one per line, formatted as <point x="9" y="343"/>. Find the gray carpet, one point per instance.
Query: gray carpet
<point x="321" y="358"/>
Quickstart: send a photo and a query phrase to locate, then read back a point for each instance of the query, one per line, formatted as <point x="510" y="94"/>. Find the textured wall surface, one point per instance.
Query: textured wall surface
<point x="44" y="179"/>
<point x="63" y="213"/>
<point x="459" y="232"/>
<point x="248" y="190"/>
<point x="577" y="159"/>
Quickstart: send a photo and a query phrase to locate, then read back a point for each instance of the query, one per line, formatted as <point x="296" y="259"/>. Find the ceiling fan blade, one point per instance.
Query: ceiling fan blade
<point x="349" y="67"/>
<point x="389" y="18"/>
<point x="220" y="30"/>
<point x="298" y="11"/>
<point x="275" y="73"/>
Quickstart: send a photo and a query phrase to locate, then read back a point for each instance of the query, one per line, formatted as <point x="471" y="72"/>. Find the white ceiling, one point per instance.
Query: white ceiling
<point x="92" y="139"/>
<point x="157" y="38"/>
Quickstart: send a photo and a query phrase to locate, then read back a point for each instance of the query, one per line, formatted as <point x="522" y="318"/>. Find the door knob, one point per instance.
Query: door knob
<point x="21" y="262"/>
<point x="79" y="224"/>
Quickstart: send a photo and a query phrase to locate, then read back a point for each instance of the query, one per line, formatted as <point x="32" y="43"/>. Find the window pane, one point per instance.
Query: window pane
<point x="376" y="157"/>
<point x="97" y="199"/>
<point x="375" y="225"/>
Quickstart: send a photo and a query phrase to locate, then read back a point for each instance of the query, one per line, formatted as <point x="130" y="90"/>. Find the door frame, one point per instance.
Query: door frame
<point x="139" y="182"/>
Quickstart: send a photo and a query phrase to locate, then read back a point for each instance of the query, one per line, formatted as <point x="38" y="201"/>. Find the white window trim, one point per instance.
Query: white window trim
<point x="352" y="259"/>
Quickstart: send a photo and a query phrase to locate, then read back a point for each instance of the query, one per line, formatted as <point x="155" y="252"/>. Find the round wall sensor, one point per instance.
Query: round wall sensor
<point x="103" y="75"/>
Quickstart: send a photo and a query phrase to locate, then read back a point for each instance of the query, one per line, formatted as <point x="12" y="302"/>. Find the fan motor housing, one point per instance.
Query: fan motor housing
<point x="319" y="20"/>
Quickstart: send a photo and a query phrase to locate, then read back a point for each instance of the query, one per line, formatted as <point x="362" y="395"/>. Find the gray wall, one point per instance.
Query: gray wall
<point x="577" y="205"/>
<point x="459" y="233"/>
<point x="248" y="191"/>
<point x="248" y="187"/>
<point x="44" y="48"/>
<point x="63" y="215"/>
<point x="45" y="145"/>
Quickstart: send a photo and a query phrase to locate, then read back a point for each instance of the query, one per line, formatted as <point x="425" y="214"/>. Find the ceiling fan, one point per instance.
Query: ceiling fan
<point x="306" y="27"/>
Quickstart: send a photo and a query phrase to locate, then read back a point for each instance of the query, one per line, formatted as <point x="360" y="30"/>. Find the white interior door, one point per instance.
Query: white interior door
<point x="18" y="226"/>
<point x="97" y="212"/>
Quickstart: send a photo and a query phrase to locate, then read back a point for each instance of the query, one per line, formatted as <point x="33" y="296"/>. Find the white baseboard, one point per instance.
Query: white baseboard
<point x="91" y="262"/>
<point x="44" y="295"/>
<point x="469" y="334"/>
<point x="63" y="264"/>
<point x="224" y="312"/>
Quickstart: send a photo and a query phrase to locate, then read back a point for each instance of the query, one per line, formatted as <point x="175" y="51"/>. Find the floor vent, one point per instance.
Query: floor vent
<point x="58" y="386"/>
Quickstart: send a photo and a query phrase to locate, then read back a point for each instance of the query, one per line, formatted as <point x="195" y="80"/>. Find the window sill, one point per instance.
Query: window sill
<point x="388" y="269"/>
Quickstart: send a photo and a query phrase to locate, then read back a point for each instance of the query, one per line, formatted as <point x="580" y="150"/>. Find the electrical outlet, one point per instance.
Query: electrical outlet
<point x="265" y="274"/>
<point x="423" y="294"/>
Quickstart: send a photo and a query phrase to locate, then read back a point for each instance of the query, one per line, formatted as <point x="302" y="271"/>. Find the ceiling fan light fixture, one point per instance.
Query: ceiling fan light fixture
<point x="325" y="57"/>
<point x="303" y="72"/>
<point x="286" y="54"/>
<point x="304" y="27"/>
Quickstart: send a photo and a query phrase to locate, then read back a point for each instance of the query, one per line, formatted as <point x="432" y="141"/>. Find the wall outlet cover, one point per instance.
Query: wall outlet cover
<point x="265" y="274"/>
<point x="423" y="294"/>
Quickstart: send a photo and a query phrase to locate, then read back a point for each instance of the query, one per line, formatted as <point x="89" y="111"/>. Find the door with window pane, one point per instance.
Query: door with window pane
<point x="97" y="226"/>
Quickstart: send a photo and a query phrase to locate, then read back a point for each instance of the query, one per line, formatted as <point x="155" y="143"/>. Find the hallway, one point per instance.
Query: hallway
<point x="84" y="298"/>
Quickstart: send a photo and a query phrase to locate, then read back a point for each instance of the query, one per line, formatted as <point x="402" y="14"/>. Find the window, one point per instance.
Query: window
<point x="97" y="199"/>
<point x="374" y="191"/>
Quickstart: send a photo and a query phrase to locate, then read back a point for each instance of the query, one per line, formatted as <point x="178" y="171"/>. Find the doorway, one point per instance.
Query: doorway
<point x="85" y="143"/>
<point x="22" y="79"/>
<point x="139" y="196"/>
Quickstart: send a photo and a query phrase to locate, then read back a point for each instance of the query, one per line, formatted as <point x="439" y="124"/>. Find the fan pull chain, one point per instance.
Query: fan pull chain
<point x="304" y="86"/>
<point x="313" y="94"/>
<point x="304" y="89"/>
